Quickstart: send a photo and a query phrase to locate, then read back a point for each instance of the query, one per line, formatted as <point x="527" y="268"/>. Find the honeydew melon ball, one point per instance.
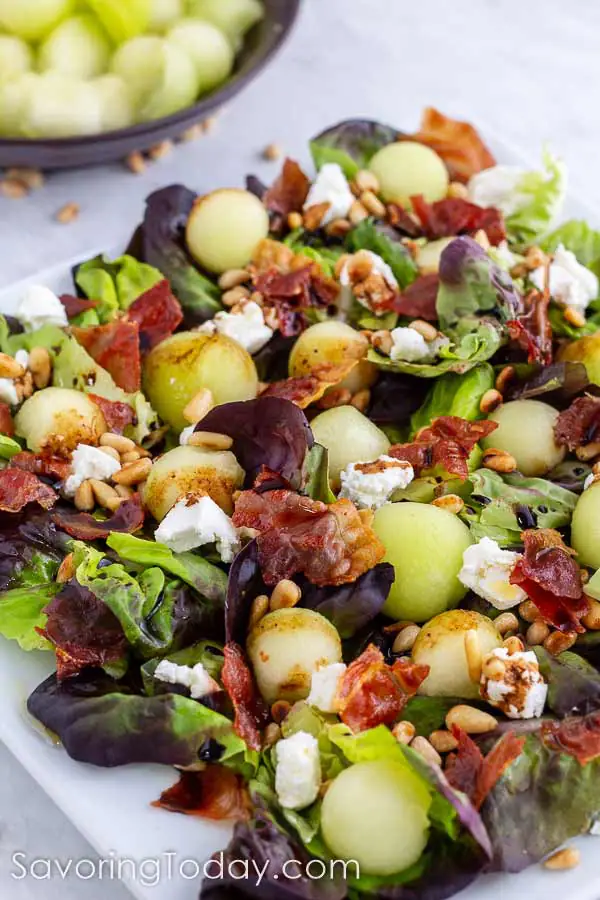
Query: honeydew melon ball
<point x="375" y="812"/>
<point x="349" y="437"/>
<point x="78" y="47"/>
<point x="207" y="47"/>
<point x="164" y="13"/>
<point x="16" y="57"/>
<point x="585" y="527"/>
<point x="224" y="228"/>
<point x="116" y="108"/>
<point x="526" y="431"/>
<point x="425" y="544"/>
<point x="33" y="19"/>
<point x="14" y="95"/>
<point x="233" y="17"/>
<point x="58" y="106"/>
<point x="405" y="169"/>
<point x="122" y="19"/>
<point x="333" y="342"/>
<point x="57" y="419"/>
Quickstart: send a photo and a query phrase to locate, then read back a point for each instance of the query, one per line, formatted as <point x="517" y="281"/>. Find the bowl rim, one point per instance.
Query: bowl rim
<point x="284" y="20"/>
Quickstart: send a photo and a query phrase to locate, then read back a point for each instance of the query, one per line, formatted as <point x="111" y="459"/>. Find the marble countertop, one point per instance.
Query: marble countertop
<point x="529" y="71"/>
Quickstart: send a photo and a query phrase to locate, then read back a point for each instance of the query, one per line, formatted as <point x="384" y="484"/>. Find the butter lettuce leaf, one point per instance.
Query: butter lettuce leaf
<point x="21" y="613"/>
<point x="455" y="395"/>
<point x="543" y="193"/>
<point x="368" y="235"/>
<point x="578" y="237"/>
<point x="115" y="284"/>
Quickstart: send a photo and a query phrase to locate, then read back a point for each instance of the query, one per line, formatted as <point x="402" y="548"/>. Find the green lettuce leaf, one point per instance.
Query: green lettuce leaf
<point x="208" y="653"/>
<point x="455" y="395"/>
<point x="351" y="144"/>
<point x="578" y="237"/>
<point x="8" y="447"/>
<point x="21" y="613"/>
<point x="573" y="683"/>
<point x="326" y="257"/>
<point x="368" y="235"/>
<point x="562" y="328"/>
<point x="316" y="475"/>
<point x="543" y="193"/>
<point x="115" y="283"/>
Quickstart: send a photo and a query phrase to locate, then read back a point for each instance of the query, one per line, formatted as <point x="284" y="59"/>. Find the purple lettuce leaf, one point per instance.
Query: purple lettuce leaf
<point x="573" y="683"/>
<point x="268" y="432"/>
<point x="350" y="607"/>
<point x="31" y="549"/>
<point x="245" y="583"/>
<point x="559" y="381"/>
<point x="351" y="144"/>
<point x="395" y="397"/>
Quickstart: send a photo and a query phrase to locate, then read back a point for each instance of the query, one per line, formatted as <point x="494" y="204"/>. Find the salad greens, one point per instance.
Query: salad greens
<point x="367" y="437"/>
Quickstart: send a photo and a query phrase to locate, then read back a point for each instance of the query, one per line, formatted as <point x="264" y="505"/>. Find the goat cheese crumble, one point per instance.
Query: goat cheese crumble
<point x="486" y="570"/>
<point x="409" y="345"/>
<point x="323" y="687"/>
<point x="371" y="484"/>
<point x="8" y="386"/>
<point x="247" y="327"/>
<point x="571" y="284"/>
<point x="40" y="306"/>
<point x="378" y="267"/>
<point x="193" y="522"/>
<point x="89" y="462"/>
<point x="196" y="678"/>
<point x="498" y="187"/>
<point x="518" y="688"/>
<point x="298" y="770"/>
<point x="331" y="186"/>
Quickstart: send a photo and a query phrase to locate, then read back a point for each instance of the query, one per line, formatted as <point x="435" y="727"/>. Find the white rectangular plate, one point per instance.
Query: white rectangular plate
<point x="111" y="807"/>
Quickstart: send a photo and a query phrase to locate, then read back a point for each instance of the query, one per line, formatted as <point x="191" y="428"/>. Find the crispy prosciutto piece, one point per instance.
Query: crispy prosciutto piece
<point x="531" y="330"/>
<point x="251" y="713"/>
<point x="306" y="389"/>
<point x="455" y="216"/>
<point x="128" y="518"/>
<point x="475" y="775"/>
<point x="329" y="544"/>
<point x="550" y="577"/>
<point x="419" y="298"/>
<point x="444" y="445"/>
<point x="19" y="487"/>
<point x="579" y="424"/>
<point x="117" y="415"/>
<point x="7" y="426"/>
<point x="458" y="143"/>
<point x="157" y="312"/>
<point x="42" y="464"/>
<point x="214" y="793"/>
<point x="288" y="193"/>
<point x="371" y="693"/>
<point x="293" y="293"/>
<point x="115" y="347"/>
<point x="579" y="737"/>
<point x="83" y="630"/>
<point x="74" y="306"/>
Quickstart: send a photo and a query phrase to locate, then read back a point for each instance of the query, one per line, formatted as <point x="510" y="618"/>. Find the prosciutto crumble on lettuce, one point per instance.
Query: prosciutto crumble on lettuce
<point x="316" y="520"/>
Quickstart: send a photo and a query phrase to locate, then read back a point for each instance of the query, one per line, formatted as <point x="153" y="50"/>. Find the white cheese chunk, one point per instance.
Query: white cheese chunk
<point x="22" y="357"/>
<point x="379" y="267"/>
<point x="409" y="345"/>
<point x="196" y="678"/>
<point x="589" y="480"/>
<point x="324" y="685"/>
<point x="571" y="284"/>
<point x="8" y="391"/>
<point x="194" y="522"/>
<point x="370" y="485"/>
<point x="89" y="462"/>
<point x="331" y="186"/>
<point x="486" y="570"/>
<point x="498" y="187"/>
<point x="40" y="306"/>
<point x="298" y="770"/>
<point x="517" y="688"/>
<point x="184" y="437"/>
<point x="247" y="327"/>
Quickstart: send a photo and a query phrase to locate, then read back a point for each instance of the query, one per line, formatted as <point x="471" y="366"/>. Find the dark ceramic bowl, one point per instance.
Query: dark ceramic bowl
<point x="261" y="44"/>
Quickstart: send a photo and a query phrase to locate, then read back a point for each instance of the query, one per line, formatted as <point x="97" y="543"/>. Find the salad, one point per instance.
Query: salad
<point x="303" y="494"/>
<point x="79" y="68"/>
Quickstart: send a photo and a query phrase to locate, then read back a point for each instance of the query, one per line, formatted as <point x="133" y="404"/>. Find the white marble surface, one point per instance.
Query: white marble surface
<point x="530" y="70"/>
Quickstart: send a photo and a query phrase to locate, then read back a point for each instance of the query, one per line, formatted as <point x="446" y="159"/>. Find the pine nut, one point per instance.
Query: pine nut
<point x="584" y="575"/>
<point x="499" y="460"/>
<point x="124" y="492"/>
<point x="405" y="639"/>
<point x="294" y="221"/>
<point x="272" y="152"/>
<point x="443" y="741"/>
<point x="513" y="645"/>
<point x="233" y="278"/>
<point x="25" y="386"/>
<point x="591" y="619"/>
<point x="104" y="493"/>
<point x="558" y="642"/>
<point x="535" y="257"/>
<point x="120" y="443"/>
<point x="458" y="191"/>
<point x="338" y="228"/>
<point x="425" y="329"/>
<point x="280" y="710"/>
<point x="504" y="376"/>
<point x="114" y="503"/>
<point x="537" y="633"/>
<point x="40" y="366"/>
<point x="129" y="456"/>
<point x="493" y="667"/>
<point x="490" y="401"/>
<point x="528" y="611"/>
<point x="452" y="503"/>
<point x="272" y="735"/>
<point x="285" y="595"/>
<point x="574" y="317"/>
<point x="588" y="451"/>
<point x="474" y="655"/>
<point x="506" y="622"/>
<point x="382" y="341"/>
<point x="142" y="452"/>
<point x="211" y="440"/>
<point x="372" y="204"/>
<point x="470" y="719"/>
<point x="66" y="570"/>
<point x="364" y="180"/>
<point x="159" y="151"/>
<point x="357" y="213"/>
<point x="361" y="400"/>
<point x="426" y="750"/>
<point x="67" y="213"/>
<point x="191" y="134"/>
<point x="136" y="163"/>
<point x="404" y="732"/>
<point x="335" y="397"/>
<point x="360" y="266"/>
<point x="259" y="608"/>
<point x="110" y="451"/>
<point x="209" y="124"/>
<point x="568" y="858"/>
<point x="84" y="497"/>
<point x="133" y="472"/>
<point x="198" y="406"/>
<point x="314" y="215"/>
<point x="235" y="295"/>
<point x="13" y="188"/>
<point x="33" y="179"/>
<point x="482" y="239"/>
<point x="9" y="367"/>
